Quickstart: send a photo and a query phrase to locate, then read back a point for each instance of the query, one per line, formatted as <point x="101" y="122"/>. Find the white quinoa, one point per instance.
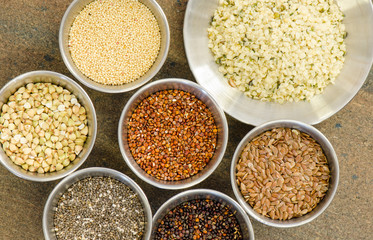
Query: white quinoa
<point x="281" y="51"/>
<point x="114" y="41"/>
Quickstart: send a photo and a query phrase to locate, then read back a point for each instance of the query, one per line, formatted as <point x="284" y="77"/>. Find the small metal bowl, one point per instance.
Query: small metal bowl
<point x="74" y="9"/>
<point x="332" y="162"/>
<point x="54" y="196"/>
<point x="200" y="93"/>
<point x="243" y="219"/>
<point x="83" y="98"/>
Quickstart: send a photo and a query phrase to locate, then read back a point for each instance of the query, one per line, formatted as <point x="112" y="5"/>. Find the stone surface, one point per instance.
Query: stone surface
<point x="29" y="41"/>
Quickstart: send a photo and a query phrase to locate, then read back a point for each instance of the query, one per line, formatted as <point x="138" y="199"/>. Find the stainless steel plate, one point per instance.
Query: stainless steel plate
<point x="359" y="43"/>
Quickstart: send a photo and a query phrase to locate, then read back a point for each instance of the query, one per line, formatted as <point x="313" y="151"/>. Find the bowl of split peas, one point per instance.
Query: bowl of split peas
<point x="48" y="126"/>
<point x="172" y="134"/>
<point x="114" y="46"/>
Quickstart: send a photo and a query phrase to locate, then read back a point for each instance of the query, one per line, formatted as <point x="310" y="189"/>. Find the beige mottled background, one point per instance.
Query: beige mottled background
<point x="29" y="41"/>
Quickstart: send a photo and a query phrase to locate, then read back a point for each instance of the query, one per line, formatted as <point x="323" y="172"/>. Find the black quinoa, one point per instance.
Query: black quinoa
<point x="199" y="219"/>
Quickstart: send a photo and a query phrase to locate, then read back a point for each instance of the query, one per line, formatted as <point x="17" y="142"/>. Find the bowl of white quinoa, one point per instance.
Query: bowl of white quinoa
<point x="265" y="60"/>
<point x="48" y="126"/>
<point x="114" y="46"/>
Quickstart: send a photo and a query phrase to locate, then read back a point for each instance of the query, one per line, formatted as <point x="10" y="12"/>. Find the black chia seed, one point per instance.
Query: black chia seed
<point x="199" y="219"/>
<point x="99" y="208"/>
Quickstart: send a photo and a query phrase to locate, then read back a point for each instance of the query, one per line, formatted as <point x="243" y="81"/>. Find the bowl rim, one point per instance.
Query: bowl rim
<point x="203" y="191"/>
<point x="133" y="99"/>
<point x="288" y="124"/>
<point x="114" y="88"/>
<point x="86" y="172"/>
<point x="258" y="119"/>
<point x="68" y="81"/>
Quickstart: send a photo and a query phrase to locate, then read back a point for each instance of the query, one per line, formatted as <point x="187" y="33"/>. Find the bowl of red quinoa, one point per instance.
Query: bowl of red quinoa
<point x="284" y="173"/>
<point x="172" y="134"/>
<point x="201" y="214"/>
<point x="97" y="203"/>
<point x="48" y="126"/>
<point x="114" y="46"/>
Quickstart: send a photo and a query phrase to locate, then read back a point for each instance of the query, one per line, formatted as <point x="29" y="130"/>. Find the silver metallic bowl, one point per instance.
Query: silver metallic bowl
<point x="359" y="25"/>
<point x="61" y="187"/>
<point x="333" y="166"/>
<point x="243" y="219"/>
<point x="200" y="93"/>
<point x="74" y="9"/>
<point x="83" y="98"/>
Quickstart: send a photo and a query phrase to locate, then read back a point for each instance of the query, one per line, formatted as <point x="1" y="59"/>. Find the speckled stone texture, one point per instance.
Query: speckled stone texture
<point x="29" y="41"/>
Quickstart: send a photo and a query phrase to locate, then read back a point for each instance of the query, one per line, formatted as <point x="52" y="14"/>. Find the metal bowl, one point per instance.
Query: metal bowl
<point x="200" y="93"/>
<point x="333" y="166"/>
<point x="359" y="25"/>
<point x="74" y="9"/>
<point x="63" y="81"/>
<point x="54" y="196"/>
<point x="243" y="219"/>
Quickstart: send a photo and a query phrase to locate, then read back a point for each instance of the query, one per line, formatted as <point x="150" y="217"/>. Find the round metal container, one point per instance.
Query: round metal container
<point x="201" y="94"/>
<point x="333" y="166"/>
<point x="67" y="83"/>
<point x="358" y="61"/>
<point x="243" y="219"/>
<point x="50" y="205"/>
<point x="74" y="9"/>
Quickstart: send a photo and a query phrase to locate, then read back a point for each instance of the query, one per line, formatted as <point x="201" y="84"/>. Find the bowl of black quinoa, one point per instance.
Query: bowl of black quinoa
<point x="97" y="203"/>
<point x="201" y="214"/>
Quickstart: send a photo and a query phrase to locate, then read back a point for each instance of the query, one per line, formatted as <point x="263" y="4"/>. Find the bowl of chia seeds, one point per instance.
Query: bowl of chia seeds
<point x="172" y="134"/>
<point x="48" y="126"/>
<point x="201" y="214"/>
<point x="97" y="203"/>
<point x="284" y="173"/>
<point x="114" y="46"/>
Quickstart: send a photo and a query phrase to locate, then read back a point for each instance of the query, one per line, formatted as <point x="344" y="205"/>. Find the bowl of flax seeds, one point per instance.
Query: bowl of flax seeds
<point x="284" y="173"/>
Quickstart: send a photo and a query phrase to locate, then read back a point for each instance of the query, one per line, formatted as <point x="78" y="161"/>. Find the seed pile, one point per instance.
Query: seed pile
<point x="283" y="173"/>
<point x="43" y="127"/>
<point x="280" y="51"/>
<point x="99" y="208"/>
<point x="199" y="219"/>
<point x="114" y="41"/>
<point x="172" y="135"/>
